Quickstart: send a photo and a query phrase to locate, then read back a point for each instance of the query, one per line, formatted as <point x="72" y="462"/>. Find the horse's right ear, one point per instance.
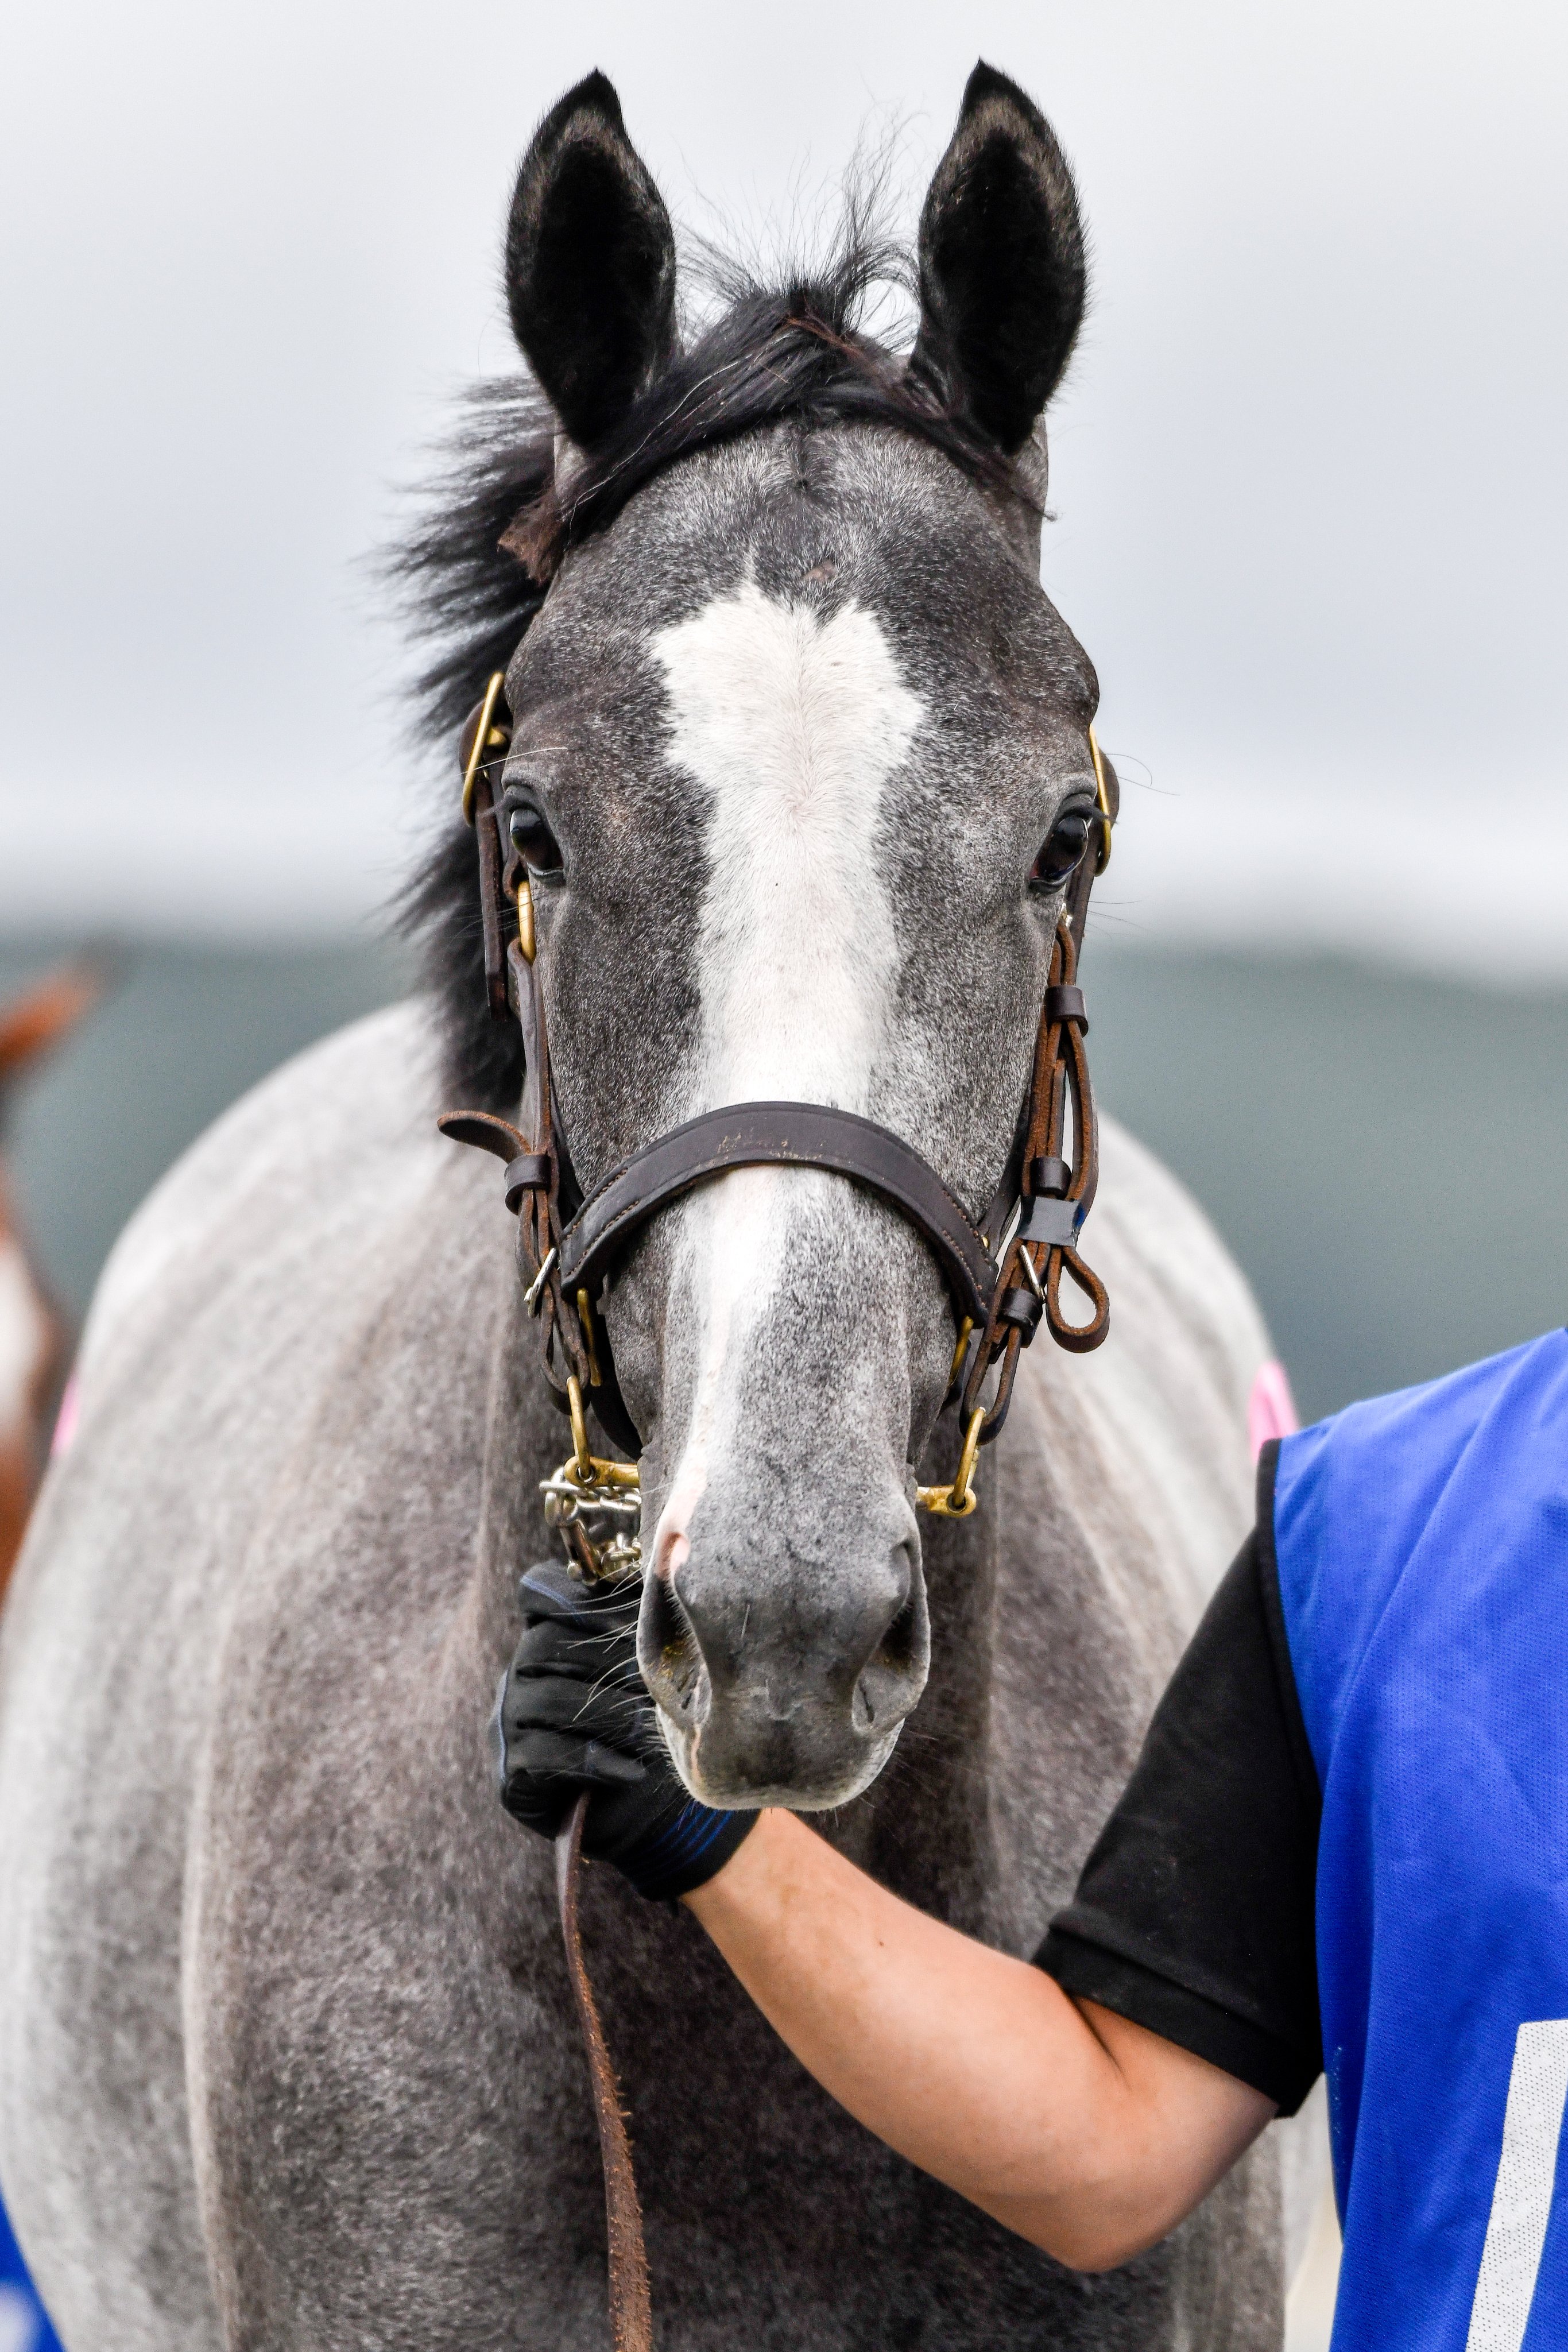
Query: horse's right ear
<point x="591" y="264"/>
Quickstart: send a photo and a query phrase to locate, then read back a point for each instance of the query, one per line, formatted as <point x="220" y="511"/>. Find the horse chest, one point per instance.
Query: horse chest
<point x="364" y="2118"/>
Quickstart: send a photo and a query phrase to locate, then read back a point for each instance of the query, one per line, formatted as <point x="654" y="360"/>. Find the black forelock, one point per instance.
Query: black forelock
<point x="493" y="532"/>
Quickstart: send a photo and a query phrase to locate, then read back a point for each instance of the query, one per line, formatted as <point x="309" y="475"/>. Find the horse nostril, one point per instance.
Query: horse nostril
<point x="765" y="1658"/>
<point x="891" y="1681"/>
<point x="899" y="1648"/>
<point x="667" y="1648"/>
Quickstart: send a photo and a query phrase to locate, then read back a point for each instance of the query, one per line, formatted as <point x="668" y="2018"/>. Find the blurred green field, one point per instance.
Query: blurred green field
<point x="1384" y="1153"/>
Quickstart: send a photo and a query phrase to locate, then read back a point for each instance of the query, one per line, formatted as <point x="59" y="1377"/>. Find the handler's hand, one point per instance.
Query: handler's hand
<point x="574" y="1712"/>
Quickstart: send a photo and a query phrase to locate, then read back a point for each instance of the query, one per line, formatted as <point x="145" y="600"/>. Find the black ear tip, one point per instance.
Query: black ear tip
<point x="589" y="263"/>
<point x="986" y="82"/>
<point x="594" y="94"/>
<point x="597" y="89"/>
<point x="1001" y="260"/>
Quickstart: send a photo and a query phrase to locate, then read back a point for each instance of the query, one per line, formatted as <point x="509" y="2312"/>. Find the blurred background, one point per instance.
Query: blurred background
<point x="1308" y="475"/>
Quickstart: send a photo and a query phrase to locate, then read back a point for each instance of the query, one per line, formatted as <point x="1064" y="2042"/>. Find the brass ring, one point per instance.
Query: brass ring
<point x="582" y="1460"/>
<point x="962" y="1496"/>
<point x="593" y="1471"/>
<point x="585" y="1317"/>
<point x="957" y="1501"/>
<point x="482" y="735"/>
<point x="961" y="1350"/>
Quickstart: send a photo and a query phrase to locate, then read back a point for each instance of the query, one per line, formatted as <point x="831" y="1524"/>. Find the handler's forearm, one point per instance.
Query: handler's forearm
<point x="1082" y="2131"/>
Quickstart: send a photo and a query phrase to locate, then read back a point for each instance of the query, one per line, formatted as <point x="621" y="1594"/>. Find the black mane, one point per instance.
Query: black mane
<point x="476" y="566"/>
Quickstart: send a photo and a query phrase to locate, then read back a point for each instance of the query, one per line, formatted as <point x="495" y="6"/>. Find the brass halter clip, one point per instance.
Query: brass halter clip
<point x="595" y="1506"/>
<point x="957" y="1500"/>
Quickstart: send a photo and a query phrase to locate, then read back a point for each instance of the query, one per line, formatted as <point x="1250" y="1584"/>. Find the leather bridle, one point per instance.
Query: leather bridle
<point x="1004" y="1273"/>
<point x="1004" y="1277"/>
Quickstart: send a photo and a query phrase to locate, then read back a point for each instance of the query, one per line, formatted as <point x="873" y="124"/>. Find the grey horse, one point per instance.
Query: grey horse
<point x="286" y="2055"/>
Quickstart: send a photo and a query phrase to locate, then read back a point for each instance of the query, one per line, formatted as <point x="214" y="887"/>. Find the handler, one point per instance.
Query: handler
<point x="1346" y="1836"/>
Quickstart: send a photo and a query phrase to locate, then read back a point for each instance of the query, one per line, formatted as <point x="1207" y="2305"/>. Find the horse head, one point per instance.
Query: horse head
<point x="799" y="767"/>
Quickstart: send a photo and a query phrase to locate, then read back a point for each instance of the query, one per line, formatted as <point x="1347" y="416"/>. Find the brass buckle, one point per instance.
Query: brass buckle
<point x="1102" y="797"/>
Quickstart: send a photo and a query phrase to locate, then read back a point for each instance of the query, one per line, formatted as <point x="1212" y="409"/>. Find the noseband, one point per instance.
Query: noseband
<point x="1003" y="1274"/>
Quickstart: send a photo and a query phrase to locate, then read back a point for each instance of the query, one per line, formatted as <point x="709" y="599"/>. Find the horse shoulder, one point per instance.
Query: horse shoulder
<point x="1145" y="1438"/>
<point x="238" y="1314"/>
<point x="328" y="1128"/>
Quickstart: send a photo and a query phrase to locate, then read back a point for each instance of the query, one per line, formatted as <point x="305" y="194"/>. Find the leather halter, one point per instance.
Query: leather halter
<point x="1004" y="1274"/>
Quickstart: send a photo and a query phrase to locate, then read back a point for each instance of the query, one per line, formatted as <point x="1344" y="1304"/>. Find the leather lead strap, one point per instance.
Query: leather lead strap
<point x="631" y="2306"/>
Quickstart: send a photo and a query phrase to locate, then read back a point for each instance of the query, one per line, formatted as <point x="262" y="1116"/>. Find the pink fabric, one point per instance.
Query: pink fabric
<point x="66" y="1420"/>
<point x="1270" y="1408"/>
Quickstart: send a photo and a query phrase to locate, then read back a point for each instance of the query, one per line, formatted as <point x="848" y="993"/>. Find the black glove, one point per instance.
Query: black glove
<point x="574" y="1713"/>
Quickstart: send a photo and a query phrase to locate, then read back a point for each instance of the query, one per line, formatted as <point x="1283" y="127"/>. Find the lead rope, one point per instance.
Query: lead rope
<point x="630" y="2306"/>
<point x="487" y="735"/>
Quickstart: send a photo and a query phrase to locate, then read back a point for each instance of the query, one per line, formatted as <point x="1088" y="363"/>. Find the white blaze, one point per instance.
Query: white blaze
<point x="791" y="727"/>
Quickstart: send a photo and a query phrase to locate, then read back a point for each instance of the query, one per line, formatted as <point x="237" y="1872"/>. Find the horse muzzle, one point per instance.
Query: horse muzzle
<point x="782" y="1679"/>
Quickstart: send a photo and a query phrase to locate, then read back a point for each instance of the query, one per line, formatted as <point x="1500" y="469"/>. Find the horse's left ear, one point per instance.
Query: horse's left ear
<point x="591" y="264"/>
<point x="1002" y="269"/>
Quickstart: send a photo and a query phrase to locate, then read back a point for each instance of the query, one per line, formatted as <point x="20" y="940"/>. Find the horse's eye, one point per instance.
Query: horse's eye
<point x="532" y="839"/>
<point x="1064" y="845"/>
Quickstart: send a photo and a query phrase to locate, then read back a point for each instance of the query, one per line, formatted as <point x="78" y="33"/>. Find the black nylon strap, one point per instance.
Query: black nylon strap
<point x="788" y="1135"/>
<point x="1055" y="1223"/>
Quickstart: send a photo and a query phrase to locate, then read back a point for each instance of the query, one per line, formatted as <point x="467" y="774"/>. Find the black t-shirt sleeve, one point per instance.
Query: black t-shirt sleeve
<point x="1194" y="1915"/>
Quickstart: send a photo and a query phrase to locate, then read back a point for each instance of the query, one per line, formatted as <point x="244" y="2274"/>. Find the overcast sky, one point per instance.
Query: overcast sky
<point x="1309" y="468"/>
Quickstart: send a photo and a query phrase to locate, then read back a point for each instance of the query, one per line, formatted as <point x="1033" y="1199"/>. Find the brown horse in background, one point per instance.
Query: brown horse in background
<point x="35" y="1338"/>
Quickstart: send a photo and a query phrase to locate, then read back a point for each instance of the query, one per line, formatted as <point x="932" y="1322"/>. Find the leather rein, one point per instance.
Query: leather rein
<point x="1003" y="1275"/>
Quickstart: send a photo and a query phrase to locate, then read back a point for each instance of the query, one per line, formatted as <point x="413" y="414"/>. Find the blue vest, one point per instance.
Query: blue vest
<point x="1422" y="1542"/>
<point x="22" y="2319"/>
